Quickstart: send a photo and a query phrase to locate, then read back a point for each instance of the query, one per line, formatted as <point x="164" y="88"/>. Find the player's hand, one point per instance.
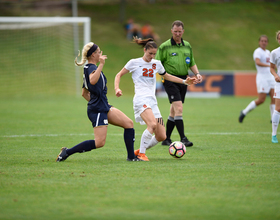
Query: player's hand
<point x="198" y="78"/>
<point x="118" y="92"/>
<point x="102" y="58"/>
<point x="277" y="78"/>
<point x="191" y="80"/>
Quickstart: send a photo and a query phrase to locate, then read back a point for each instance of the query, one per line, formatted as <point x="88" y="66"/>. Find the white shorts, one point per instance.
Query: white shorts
<point x="277" y="91"/>
<point x="140" y="106"/>
<point x="264" y="85"/>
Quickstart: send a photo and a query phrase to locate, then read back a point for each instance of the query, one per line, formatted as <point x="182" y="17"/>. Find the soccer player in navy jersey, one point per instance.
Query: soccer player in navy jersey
<point x="99" y="111"/>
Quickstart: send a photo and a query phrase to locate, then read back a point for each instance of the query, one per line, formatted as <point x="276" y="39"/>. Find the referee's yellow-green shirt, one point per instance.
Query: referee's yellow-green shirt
<point x="176" y="58"/>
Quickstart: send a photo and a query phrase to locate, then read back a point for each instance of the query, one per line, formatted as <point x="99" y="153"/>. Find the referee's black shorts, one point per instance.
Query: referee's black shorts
<point x="175" y="91"/>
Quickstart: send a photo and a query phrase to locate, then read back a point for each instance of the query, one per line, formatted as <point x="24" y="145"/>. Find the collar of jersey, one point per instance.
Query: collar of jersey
<point x="173" y="43"/>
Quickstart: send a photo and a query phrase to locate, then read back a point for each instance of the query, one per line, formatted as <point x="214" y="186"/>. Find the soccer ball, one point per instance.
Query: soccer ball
<point x="177" y="149"/>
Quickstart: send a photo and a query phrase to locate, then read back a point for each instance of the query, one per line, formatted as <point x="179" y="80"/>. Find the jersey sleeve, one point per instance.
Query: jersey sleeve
<point x="88" y="69"/>
<point x="272" y="57"/>
<point x="161" y="70"/>
<point x="85" y="78"/>
<point x="130" y="65"/>
<point x="256" y="54"/>
<point x="192" y="61"/>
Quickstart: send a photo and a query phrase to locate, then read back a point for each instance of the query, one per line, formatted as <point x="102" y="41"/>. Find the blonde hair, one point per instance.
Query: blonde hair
<point x="277" y="34"/>
<point x="84" y="54"/>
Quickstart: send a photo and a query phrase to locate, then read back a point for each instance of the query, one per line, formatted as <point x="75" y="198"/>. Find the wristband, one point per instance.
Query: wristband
<point x="185" y="82"/>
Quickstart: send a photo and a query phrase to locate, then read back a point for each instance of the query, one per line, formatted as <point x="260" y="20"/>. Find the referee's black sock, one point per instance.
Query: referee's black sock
<point x="82" y="147"/>
<point x="170" y="124"/>
<point x="180" y="125"/>
<point x="129" y="138"/>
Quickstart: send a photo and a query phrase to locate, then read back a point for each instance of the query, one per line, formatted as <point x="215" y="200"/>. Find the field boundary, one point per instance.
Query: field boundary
<point x="121" y="134"/>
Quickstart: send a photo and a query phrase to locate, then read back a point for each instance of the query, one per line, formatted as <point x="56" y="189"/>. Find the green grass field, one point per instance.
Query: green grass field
<point x="231" y="172"/>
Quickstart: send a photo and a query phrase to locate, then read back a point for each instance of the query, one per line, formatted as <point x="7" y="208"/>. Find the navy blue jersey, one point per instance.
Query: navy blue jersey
<point x="98" y="99"/>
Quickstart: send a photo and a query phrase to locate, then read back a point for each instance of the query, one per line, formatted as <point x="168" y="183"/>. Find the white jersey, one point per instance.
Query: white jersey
<point x="264" y="80"/>
<point x="144" y="78"/>
<point x="264" y="56"/>
<point x="275" y="59"/>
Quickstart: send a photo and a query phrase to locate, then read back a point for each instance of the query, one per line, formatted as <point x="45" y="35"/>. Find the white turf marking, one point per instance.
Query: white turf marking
<point x="121" y="134"/>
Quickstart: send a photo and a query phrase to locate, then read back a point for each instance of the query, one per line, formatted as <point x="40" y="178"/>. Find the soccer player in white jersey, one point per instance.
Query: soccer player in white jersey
<point x="264" y="80"/>
<point x="146" y="111"/>
<point x="275" y="64"/>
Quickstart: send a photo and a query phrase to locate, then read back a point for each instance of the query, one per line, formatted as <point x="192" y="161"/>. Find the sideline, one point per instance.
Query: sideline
<point x="120" y="134"/>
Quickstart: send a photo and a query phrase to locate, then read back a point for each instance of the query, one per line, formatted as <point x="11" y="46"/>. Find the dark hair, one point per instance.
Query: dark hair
<point x="178" y="24"/>
<point x="263" y="36"/>
<point x="146" y="43"/>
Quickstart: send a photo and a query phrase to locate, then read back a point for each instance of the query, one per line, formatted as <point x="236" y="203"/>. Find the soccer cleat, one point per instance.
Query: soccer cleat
<point x="274" y="139"/>
<point x="166" y="142"/>
<point x="136" y="152"/>
<point x="241" y="117"/>
<point x="186" y="142"/>
<point x="134" y="159"/>
<point x="62" y="155"/>
<point x="143" y="157"/>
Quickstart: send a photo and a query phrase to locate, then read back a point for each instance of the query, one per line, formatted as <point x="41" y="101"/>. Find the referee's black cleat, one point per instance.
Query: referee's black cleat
<point x="62" y="155"/>
<point x="241" y="117"/>
<point x="186" y="142"/>
<point x="166" y="142"/>
<point x="134" y="159"/>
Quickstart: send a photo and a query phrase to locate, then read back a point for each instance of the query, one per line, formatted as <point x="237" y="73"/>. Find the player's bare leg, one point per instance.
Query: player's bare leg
<point x="252" y="105"/>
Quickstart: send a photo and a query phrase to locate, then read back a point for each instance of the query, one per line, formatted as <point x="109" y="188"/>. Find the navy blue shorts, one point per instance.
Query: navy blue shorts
<point x="98" y="119"/>
<point x="175" y="91"/>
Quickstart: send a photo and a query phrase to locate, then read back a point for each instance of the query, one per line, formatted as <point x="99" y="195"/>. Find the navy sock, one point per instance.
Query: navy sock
<point x="129" y="137"/>
<point x="180" y="125"/>
<point x="82" y="147"/>
<point x="170" y="124"/>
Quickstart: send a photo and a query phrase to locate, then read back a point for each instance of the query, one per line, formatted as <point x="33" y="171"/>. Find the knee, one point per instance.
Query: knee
<point x="161" y="137"/>
<point x="179" y="110"/>
<point x="152" y="127"/>
<point x="259" y="102"/>
<point x="99" y="143"/>
<point x="129" y="123"/>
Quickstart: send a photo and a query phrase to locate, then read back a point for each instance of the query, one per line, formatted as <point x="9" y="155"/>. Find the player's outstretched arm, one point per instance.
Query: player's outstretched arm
<point x="118" y="91"/>
<point x="187" y="81"/>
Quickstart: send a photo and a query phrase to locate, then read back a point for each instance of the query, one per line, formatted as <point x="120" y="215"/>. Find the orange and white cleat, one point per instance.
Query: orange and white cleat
<point x="137" y="152"/>
<point x="143" y="157"/>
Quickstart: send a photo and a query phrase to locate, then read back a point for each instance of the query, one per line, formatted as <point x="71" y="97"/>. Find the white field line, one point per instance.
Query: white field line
<point x="121" y="134"/>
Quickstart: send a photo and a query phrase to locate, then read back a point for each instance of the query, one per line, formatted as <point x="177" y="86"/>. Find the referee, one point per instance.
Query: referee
<point x="177" y="57"/>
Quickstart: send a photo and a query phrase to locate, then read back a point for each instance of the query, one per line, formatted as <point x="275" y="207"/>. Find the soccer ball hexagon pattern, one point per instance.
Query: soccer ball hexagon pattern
<point x="177" y="149"/>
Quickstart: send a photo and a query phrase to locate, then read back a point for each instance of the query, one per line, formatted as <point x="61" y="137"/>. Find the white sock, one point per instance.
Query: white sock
<point x="152" y="142"/>
<point x="250" y="107"/>
<point x="272" y="108"/>
<point x="145" y="140"/>
<point x="275" y="122"/>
